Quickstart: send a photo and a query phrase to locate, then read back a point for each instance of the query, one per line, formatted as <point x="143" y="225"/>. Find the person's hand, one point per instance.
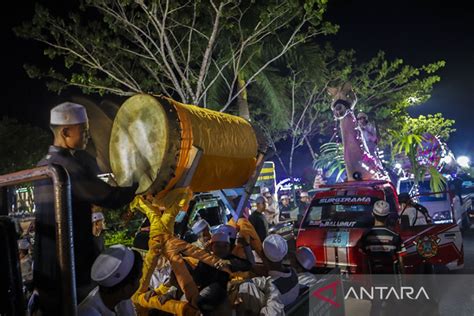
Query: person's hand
<point x="165" y="297"/>
<point x="149" y="295"/>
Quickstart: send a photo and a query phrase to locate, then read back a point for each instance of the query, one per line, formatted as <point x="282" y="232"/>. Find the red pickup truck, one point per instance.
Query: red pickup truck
<point x="340" y="214"/>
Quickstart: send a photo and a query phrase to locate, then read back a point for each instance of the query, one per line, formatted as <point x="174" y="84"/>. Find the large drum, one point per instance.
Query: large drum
<point x="152" y="143"/>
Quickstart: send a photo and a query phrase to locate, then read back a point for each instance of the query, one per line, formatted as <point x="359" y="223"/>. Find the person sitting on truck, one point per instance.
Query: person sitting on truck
<point x="380" y="244"/>
<point x="258" y="220"/>
<point x="417" y="213"/>
<point x="275" y="249"/>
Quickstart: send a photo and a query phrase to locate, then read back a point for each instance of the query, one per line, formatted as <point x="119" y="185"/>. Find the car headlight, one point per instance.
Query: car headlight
<point x="442" y="217"/>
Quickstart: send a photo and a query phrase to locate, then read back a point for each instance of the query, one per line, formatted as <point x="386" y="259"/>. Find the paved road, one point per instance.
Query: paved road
<point x="468" y="240"/>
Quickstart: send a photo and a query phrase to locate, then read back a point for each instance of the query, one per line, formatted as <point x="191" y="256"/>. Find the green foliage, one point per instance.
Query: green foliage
<point x="435" y="124"/>
<point x="113" y="237"/>
<point x="119" y="232"/>
<point x="331" y="158"/>
<point x="22" y="145"/>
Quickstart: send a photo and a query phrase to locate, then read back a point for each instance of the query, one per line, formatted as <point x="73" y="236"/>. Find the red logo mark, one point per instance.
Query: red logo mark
<point x="330" y="286"/>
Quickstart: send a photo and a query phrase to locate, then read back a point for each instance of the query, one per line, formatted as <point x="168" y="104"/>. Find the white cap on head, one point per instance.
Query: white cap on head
<point x="275" y="248"/>
<point x="381" y="208"/>
<point x="97" y="216"/>
<point x="304" y="194"/>
<point x="265" y="190"/>
<point x="68" y="113"/>
<point x="227" y="229"/>
<point x="305" y="257"/>
<point x="23" y="244"/>
<point x="284" y="197"/>
<point x="200" y="226"/>
<point x="112" y="266"/>
<point x="220" y="237"/>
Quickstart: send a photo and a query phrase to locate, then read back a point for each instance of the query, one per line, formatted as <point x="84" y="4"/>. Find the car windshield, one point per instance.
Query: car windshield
<point x="424" y="191"/>
<point x="340" y="211"/>
<point x="209" y="210"/>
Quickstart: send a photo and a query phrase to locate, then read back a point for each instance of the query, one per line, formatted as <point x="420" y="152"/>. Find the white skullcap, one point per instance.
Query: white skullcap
<point x="381" y="208"/>
<point x="97" y="216"/>
<point x="303" y="194"/>
<point x="200" y="226"/>
<point x="23" y="244"/>
<point x="275" y="247"/>
<point x="227" y="229"/>
<point x="305" y="257"/>
<point x="68" y="113"/>
<point x="265" y="190"/>
<point x="112" y="266"/>
<point x="284" y="197"/>
<point x="220" y="237"/>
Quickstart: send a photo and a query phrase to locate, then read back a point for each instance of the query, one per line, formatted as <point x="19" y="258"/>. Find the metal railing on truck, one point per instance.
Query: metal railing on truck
<point x="64" y="236"/>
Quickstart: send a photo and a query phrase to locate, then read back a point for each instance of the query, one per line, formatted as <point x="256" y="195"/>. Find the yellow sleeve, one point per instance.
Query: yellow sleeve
<point x="173" y="202"/>
<point x="143" y="206"/>
<point x="162" y="289"/>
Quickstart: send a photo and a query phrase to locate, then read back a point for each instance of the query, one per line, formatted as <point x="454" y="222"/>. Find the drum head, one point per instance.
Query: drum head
<point x="140" y="146"/>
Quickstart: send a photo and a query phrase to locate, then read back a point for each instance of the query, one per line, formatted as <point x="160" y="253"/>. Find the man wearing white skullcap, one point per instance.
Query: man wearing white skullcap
<point x="117" y="273"/>
<point x="284" y="278"/>
<point x="69" y="124"/>
<point x="285" y="207"/>
<point x="202" y="230"/>
<point x="303" y="205"/>
<point x="381" y="244"/>
<point x="97" y="229"/>
<point x="26" y="263"/>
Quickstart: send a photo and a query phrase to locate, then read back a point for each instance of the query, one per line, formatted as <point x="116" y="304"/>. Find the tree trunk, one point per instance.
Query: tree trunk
<point x="242" y="101"/>
<point x="310" y="147"/>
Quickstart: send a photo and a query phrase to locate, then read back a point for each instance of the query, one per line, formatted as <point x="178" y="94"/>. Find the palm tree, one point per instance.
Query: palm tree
<point x="331" y="158"/>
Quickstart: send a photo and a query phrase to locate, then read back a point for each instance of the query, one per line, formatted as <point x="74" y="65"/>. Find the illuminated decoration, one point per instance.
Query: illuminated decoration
<point x="427" y="246"/>
<point x="357" y="156"/>
<point x="431" y="151"/>
<point x="286" y="184"/>
<point x="463" y="161"/>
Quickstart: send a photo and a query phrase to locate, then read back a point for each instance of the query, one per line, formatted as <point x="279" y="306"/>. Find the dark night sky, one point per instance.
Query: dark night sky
<point x="417" y="31"/>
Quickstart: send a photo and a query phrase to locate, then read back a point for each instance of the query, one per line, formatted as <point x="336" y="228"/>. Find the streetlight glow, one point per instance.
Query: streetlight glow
<point x="463" y="161"/>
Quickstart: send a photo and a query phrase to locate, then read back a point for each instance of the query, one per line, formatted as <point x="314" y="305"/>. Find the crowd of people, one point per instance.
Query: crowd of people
<point x="239" y="266"/>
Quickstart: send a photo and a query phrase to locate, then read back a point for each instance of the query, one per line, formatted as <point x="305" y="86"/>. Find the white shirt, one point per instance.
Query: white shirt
<point x="93" y="305"/>
<point x="307" y="279"/>
<point x="413" y="214"/>
<point x="287" y="284"/>
<point x="265" y="295"/>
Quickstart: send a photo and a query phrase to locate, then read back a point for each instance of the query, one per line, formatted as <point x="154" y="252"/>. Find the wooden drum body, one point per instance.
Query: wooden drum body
<point x="152" y="140"/>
